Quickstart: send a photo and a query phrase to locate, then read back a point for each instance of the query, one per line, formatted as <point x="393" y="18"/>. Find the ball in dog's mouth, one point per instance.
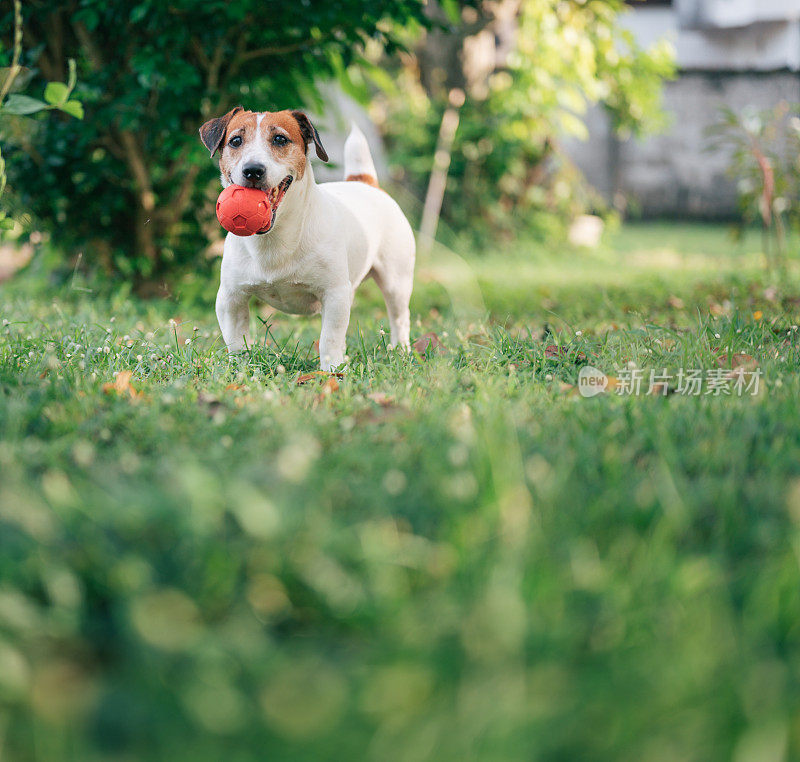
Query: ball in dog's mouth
<point x="243" y="211"/>
<point x="275" y="196"/>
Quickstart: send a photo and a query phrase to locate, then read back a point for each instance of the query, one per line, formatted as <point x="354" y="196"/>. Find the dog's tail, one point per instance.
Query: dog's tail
<point x="358" y="164"/>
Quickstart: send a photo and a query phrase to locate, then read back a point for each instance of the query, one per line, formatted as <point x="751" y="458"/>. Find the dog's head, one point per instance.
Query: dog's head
<point x="266" y="150"/>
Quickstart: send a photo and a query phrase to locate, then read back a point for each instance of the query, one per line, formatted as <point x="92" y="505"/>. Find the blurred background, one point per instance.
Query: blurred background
<point x="506" y="118"/>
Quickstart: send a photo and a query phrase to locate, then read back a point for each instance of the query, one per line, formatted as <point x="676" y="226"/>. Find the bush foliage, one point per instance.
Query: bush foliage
<point x="764" y="150"/>
<point x="128" y="184"/>
<point x="507" y="167"/>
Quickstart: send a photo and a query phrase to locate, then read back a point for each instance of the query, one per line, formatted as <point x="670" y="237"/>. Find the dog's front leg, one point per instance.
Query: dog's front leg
<point x="233" y="314"/>
<point x="335" y="319"/>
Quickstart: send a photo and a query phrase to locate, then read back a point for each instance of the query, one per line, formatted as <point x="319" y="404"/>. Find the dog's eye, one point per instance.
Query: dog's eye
<point x="235" y="141"/>
<point x="280" y="140"/>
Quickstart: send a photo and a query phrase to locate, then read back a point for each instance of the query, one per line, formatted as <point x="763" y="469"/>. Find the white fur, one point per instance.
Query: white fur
<point x="357" y="157"/>
<point x="326" y="239"/>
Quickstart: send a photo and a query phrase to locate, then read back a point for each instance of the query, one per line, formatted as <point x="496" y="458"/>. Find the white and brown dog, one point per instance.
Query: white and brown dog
<point x="323" y="240"/>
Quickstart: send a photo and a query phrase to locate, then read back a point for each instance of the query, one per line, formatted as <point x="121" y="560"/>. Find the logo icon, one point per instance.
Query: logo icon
<point x="591" y="381"/>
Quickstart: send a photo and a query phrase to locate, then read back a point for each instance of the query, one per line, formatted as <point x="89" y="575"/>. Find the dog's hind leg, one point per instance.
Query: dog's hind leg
<point x="396" y="292"/>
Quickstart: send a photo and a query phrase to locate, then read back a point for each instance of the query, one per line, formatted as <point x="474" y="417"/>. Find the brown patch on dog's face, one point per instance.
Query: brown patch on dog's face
<point x="282" y="134"/>
<point x="270" y="145"/>
<point x="240" y="133"/>
<point x="266" y="150"/>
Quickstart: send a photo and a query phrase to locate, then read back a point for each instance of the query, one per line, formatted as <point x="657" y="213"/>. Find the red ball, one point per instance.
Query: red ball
<point x="243" y="211"/>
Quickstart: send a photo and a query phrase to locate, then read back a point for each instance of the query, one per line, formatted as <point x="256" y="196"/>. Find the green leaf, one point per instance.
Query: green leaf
<point x="73" y="108"/>
<point x="452" y="10"/>
<point x="22" y="104"/>
<point x="379" y="77"/>
<point x="56" y="93"/>
<point x="138" y="13"/>
<point x="573" y="126"/>
<point x="6" y="223"/>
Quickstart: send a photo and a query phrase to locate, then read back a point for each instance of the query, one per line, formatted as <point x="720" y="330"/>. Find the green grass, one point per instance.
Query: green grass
<point x="451" y="558"/>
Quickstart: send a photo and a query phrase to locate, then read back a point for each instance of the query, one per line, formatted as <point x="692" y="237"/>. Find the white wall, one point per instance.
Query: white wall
<point x="675" y="174"/>
<point x="728" y="14"/>
<point x="761" y="46"/>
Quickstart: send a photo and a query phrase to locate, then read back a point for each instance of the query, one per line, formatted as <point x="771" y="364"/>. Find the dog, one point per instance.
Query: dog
<point x="324" y="239"/>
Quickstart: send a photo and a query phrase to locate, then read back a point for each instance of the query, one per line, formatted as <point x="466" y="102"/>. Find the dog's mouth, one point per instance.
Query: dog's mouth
<point x="275" y="196"/>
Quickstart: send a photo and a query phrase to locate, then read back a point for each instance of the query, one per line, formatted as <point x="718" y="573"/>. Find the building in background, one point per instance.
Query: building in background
<point x="734" y="53"/>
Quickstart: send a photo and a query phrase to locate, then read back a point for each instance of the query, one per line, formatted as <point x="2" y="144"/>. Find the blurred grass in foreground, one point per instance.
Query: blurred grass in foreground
<point x="442" y="559"/>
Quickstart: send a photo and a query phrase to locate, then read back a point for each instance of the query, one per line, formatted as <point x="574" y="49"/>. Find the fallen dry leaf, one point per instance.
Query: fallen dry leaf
<point x="428" y="344"/>
<point x="385" y="409"/>
<point x="380" y="398"/>
<point x="568" y="390"/>
<point x="233" y="387"/>
<point x="738" y="360"/>
<point x="316" y="374"/>
<point x="553" y="351"/>
<point x="121" y="385"/>
<point x="481" y="339"/>
<point x="571" y="389"/>
<point x="330" y="386"/>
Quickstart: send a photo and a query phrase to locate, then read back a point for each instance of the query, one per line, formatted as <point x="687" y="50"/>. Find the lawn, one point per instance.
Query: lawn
<point x="444" y="557"/>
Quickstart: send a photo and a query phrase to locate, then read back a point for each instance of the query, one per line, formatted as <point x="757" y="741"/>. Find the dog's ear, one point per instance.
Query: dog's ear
<point x="310" y="134"/>
<point x="212" y="133"/>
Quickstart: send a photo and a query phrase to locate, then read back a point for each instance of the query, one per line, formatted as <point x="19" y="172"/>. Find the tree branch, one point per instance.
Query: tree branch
<point x="275" y="50"/>
<point x="135" y="160"/>
<point x="200" y="53"/>
<point x="180" y="200"/>
<point x="85" y="39"/>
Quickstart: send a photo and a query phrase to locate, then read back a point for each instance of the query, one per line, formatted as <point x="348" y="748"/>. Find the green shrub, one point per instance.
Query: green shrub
<point x="57" y="97"/>
<point x="508" y="171"/>
<point x="129" y="184"/>
<point x="764" y="149"/>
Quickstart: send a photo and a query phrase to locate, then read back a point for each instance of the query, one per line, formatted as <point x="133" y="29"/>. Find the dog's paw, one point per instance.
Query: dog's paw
<point x="329" y="365"/>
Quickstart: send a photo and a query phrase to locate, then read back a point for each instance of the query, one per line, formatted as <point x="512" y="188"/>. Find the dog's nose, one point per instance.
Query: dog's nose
<point x="253" y="171"/>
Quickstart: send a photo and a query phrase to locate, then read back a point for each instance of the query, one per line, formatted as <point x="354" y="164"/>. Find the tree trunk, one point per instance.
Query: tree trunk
<point x="145" y="236"/>
<point x="146" y="200"/>
<point x="441" y="165"/>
